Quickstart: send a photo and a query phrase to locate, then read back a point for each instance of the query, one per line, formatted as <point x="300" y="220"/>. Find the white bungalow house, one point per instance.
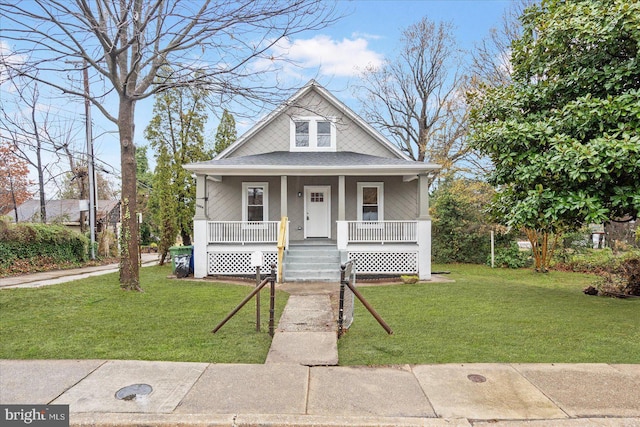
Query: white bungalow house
<point x="331" y="185"/>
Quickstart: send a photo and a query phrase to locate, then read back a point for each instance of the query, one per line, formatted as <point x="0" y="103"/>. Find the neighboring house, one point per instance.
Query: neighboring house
<point x="348" y="193"/>
<point x="68" y="212"/>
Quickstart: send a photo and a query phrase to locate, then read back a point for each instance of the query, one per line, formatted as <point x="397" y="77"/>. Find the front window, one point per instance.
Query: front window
<point x="313" y="134"/>
<point x="370" y="201"/>
<point x="254" y="201"/>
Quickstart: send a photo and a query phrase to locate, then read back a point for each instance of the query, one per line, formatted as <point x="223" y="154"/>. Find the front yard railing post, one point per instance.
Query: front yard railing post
<point x="258" y="279"/>
<point x="272" y="302"/>
<point x="341" y="307"/>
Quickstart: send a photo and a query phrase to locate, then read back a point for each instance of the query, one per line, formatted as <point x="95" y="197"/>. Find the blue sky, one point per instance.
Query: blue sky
<point x="369" y="32"/>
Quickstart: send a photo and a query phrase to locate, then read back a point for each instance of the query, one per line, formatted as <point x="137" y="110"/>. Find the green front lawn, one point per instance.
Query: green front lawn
<point x="494" y="315"/>
<point x="485" y="316"/>
<point x="172" y="320"/>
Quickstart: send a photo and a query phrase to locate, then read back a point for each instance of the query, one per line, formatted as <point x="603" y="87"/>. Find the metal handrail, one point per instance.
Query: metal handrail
<point x="271" y="279"/>
<point x="345" y="280"/>
<point x="282" y="239"/>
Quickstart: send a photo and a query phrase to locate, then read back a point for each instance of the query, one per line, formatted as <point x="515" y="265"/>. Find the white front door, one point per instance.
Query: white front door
<point x="317" y="207"/>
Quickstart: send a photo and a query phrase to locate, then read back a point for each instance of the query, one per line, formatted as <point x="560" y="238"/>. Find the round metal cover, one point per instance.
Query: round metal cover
<point x="132" y="391"/>
<point x="476" y="378"/>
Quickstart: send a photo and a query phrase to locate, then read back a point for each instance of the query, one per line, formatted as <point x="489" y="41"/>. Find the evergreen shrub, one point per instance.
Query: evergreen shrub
<point x="34" y="244"/>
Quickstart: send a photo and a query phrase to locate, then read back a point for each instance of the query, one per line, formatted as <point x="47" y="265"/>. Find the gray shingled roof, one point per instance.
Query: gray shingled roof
<point x="66" y="210"/>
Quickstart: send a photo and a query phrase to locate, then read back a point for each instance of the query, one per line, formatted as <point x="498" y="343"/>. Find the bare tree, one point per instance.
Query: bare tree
<point x="491" y="58"/>
<point x="36" y="134"/>
<point x="209" y="43"/>
<point x="415" y="97"/>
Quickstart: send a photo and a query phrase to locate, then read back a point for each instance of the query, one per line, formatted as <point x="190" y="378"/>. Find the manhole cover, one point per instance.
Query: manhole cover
<point x="130" y="392"/>
<point x="476" y="378"/>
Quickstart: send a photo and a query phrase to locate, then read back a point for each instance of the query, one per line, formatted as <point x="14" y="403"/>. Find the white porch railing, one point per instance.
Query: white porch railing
<point x="242" y="232"/>
<point x="382" y="231"/>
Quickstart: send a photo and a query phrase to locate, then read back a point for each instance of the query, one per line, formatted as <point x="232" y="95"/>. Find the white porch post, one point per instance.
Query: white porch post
<point x="423" y="197"/>
<point x="342" y="226"/>
<point x="200" y="231"/>
<point x="200" y="234"/>
<point x="341" y="200"/>
<point x="424" y="250"/>
<point x="424" y="229"/>
<point x="284" y="196"/>
<point x="342" y="229"/>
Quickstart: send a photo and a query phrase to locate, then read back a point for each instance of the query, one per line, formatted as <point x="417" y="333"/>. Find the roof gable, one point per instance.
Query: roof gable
<point x="310" y="99"/>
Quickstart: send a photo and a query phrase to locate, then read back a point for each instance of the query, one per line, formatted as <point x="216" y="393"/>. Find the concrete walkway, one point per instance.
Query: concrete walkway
<point x="306" y="332"/>
<point x="297" y="387"/>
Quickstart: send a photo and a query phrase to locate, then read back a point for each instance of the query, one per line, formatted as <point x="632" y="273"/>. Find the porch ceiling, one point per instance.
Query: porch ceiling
<point x="311" y="163"/>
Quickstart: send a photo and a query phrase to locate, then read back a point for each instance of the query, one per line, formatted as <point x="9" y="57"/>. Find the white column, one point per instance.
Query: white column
<point x="341" y="199"/>
<point x="200" y="237"/>
<point x="424" y="250"/>
<point x="423" y="197"/>
<point x="200" y="231"/>
<point x="284" y="196"/>
<point x="342" y="230"/>
<point x="201" y="196"/>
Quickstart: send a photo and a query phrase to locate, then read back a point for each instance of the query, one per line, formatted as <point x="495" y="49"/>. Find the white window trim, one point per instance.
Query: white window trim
<point x="265" y="199"/>
<point x="313" y="133"/>
<point x="380" y="187"/>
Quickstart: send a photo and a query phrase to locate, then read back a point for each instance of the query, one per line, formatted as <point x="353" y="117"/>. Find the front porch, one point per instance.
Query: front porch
<point x="377" y="247"/>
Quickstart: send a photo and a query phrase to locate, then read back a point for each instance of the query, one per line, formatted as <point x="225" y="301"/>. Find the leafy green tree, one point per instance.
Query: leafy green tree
<point x="163" y="203"/>
<point x="461" y="227"/>
<point x="564" y="133"/>
<point x="176" y="133"/>
<point x="145" y="184"/>
<point x="226" y="133"/>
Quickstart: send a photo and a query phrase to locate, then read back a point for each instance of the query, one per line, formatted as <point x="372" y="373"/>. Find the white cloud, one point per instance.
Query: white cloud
<point x="367" y="36"/>
<point x="334" y="58"/>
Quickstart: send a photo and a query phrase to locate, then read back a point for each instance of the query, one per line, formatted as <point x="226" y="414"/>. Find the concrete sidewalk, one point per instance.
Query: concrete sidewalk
<point x="277" y="394"/>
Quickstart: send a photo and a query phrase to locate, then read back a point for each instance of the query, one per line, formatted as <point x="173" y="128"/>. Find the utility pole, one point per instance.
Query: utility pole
<point x="90" y="161"/>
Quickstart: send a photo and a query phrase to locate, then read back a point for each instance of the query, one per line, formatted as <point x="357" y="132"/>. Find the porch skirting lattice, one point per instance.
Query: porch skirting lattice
<point x="237" y="262"/>
<point x="400" y="262"/>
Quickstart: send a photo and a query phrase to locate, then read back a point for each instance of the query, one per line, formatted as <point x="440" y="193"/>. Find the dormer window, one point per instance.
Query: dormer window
<point x="313" y="134"/>
<point x="302" y="134"/>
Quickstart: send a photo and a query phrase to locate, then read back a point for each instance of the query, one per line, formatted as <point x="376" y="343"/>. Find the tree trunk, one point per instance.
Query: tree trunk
<point x="186" y="237"/>
<point x="13" y="195"/>
<point x="542" y="250"/>
<point x="129" y="268"/>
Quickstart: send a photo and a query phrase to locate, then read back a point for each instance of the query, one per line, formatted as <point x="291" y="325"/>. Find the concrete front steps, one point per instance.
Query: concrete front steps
<point x="320" y="263"/>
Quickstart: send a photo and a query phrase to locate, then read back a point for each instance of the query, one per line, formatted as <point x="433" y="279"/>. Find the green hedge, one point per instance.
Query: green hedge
<point x="26" y="241"/>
